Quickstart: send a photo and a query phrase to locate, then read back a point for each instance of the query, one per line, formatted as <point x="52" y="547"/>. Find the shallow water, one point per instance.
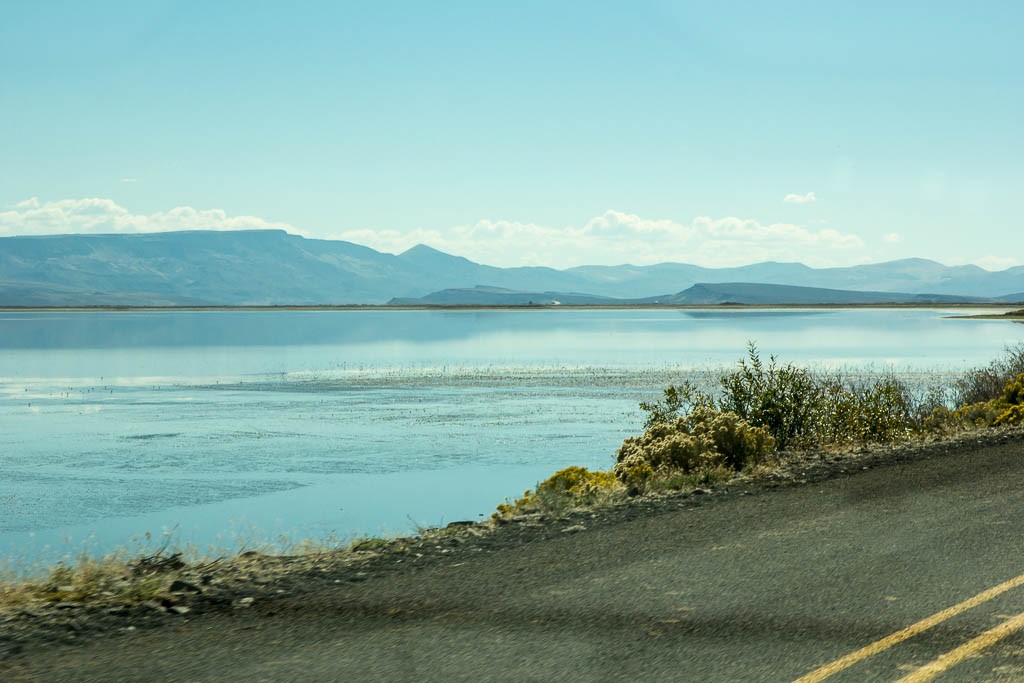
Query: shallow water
<point x="223" y="426"/>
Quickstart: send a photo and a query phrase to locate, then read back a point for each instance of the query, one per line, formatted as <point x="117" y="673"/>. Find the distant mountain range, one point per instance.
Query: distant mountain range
<point x="701" y="294"/>
<point x="272" y="267"/>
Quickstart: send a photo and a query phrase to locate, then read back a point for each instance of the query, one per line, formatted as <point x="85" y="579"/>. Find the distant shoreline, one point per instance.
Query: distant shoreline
<point x="1016" y="316"/>
<point x="529" y="307"/>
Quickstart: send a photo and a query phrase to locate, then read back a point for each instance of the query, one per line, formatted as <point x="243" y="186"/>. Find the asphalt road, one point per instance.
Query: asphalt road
<point x="771" y="586"/>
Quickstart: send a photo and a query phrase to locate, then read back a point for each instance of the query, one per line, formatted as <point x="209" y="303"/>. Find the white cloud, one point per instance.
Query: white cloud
<point x="615" y="237"/>
<point x="892" y="238"/>
<point x="95" y="216"/>
<point x="808" y="198"/>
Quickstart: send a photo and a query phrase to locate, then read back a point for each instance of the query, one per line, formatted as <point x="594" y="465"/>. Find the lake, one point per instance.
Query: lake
<point x="221" y="429"/>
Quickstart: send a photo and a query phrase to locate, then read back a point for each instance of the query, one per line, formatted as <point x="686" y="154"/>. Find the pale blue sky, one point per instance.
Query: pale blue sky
<point x="526" y="132"/>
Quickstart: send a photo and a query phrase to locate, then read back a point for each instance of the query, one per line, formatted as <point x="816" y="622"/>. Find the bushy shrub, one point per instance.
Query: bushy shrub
<point x="986" y="384"/>
<point x="939" y="421"/>
<point x="675" y="402"/>
<point x="704" y="440"/>
<point x="1013" y="392"/>
<point x="568" y="488"/>
<point x="1011" y="403"/>
<point x="739" y="443"/>
<point x="695" y="437"/>
<point x="1014" y="415"/>
<point x="883" y="411"/>
<point x="1006" y="409"/>
<point x="800" y="408"/>
<point x="782" y="398"/>
<point x="976" y="415"/>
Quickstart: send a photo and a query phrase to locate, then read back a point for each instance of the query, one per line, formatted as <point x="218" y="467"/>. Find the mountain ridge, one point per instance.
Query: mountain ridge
<point x="274" y="267"/>
<point x="700" y="294"/>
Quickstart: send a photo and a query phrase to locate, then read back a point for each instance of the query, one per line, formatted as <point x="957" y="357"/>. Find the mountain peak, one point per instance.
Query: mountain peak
<point x="424" y="255"/>
<point x="423" y="250"/>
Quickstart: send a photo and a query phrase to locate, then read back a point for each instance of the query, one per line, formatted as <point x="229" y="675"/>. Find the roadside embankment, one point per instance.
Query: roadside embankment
<point x="764" y="578"/>
<point x="168" y="591"/>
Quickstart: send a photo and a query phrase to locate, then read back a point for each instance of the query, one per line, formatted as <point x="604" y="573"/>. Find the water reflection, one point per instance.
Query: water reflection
<point x="134" y="421"/>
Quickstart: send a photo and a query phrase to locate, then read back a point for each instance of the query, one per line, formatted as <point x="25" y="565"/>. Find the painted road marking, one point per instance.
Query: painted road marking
<point x="908" y="632"/>
<point x="947" y="661"/>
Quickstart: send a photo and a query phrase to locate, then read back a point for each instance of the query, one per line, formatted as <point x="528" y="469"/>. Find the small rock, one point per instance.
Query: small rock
<point x="573" y="529"/>
<point x="179" y="609"/>
<point x="179" y="586"/>
<point x="244" y="602"/>
<point x="67" y="605"/>
<point x="700" y="492"/>
<point x="153" y="605"/>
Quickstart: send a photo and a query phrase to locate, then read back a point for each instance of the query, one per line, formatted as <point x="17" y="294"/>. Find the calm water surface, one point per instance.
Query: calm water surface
<point x="221" y="427"/>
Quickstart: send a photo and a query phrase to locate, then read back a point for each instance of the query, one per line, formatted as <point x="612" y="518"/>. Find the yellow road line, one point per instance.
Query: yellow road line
<point x="947" y="661"/>
<point x="908" y="632"/>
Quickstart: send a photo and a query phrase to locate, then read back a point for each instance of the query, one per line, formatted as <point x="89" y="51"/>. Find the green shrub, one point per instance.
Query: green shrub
<point x="676" y="401"/>
<point x="977" y="414"/>
<point x="706" y="440"/>
<point x="1006" y="409"/>
<point x="884" y="410"/>
<point x="666" y="447"/>
<point x="784" y="399"/>
<point x="941" y="420"/>
<point x="740" y="444"/>
<point x="986" y="384"/>
<point x="799" y="408"/>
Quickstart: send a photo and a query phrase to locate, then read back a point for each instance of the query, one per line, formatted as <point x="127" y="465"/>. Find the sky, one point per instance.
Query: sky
<point x="526" y="133"/>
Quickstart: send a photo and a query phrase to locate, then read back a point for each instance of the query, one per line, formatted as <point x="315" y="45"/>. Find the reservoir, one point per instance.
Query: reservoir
<point x="231" y="429"/>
